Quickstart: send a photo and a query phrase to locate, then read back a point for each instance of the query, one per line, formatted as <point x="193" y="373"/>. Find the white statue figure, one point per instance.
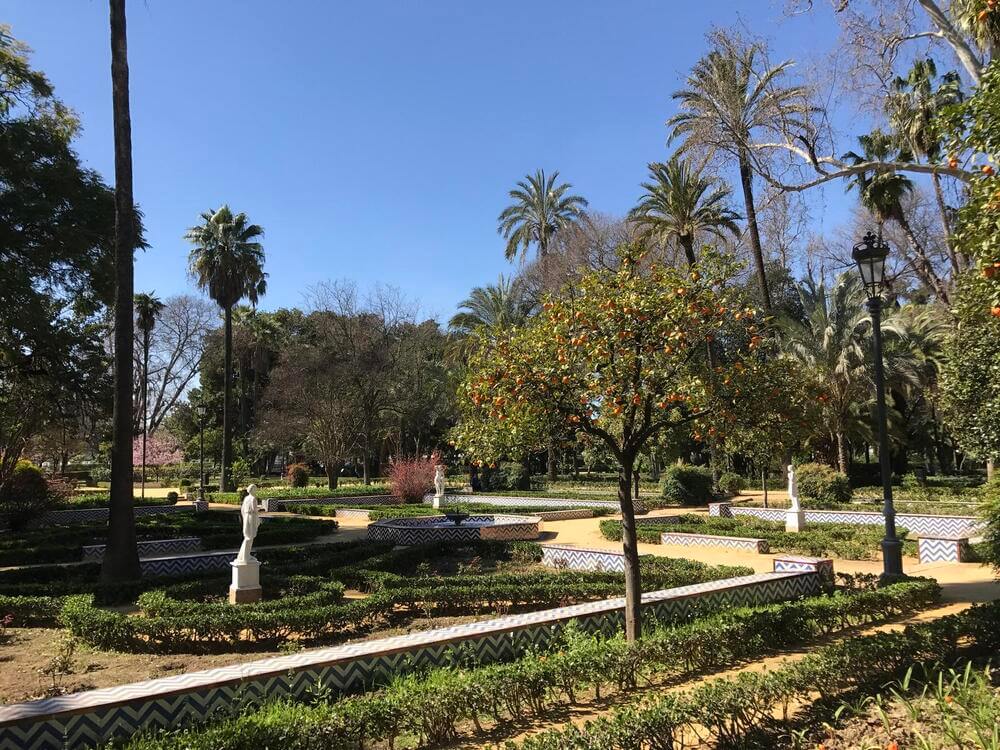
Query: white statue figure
<point x="793" y="488"/>
<point x="795" y="517"/>
<point x="439" y="470"/>
<point x="251" y="522"/>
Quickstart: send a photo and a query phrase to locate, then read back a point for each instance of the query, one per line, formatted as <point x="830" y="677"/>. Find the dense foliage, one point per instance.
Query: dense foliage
<point x="686" y="485"/>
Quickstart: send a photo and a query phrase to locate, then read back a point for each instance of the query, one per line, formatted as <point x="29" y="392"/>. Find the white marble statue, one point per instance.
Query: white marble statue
<point x="795" y="517"/>
<point x="793" y="488"/>
<point x="439" y="480"/>
<point x="251" y="522"/>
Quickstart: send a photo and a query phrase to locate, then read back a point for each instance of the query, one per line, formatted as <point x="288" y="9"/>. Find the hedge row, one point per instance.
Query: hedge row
<point x="234" y="498"/>
<point x="432" y="706"/>
<point x="729" y="709"/>
<point x="380" y="512"/>
<point x="166" y="624"/>
<point x="841" y="540"/>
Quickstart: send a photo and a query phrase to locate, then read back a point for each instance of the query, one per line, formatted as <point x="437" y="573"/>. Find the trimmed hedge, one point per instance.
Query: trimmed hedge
<point x="233" y="498"/>
<point x="818" y="539"/>
<point x="430" y="707"/>
<point x="730" y="709"/>
<point x="687" y="485"/>
<point x="820" y="486"/>
<point x="167" y="624"/>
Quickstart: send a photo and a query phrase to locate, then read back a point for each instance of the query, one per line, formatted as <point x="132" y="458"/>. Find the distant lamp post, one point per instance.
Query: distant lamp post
<point x="870" y="255"/>
<point x="202" y="411"/>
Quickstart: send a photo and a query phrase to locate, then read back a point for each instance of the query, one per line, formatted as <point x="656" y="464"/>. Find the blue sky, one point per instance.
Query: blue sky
<point x="376" y="140"/>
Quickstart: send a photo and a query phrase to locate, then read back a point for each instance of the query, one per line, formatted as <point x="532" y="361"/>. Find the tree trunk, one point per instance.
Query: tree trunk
<point x="145" y="396"/>
<point x="552" y="465"/>
<point x="633" y="584"/>
<point x="841" y="452"/>
<point x="227" y="398"/>
<point x="121" y="556"/>
<point x="687" y="245"/>
<point x="923" y="267"/>
<point x="746" y="179"/>
<point x="332" y="473"/>
<point x="946" y="224"/>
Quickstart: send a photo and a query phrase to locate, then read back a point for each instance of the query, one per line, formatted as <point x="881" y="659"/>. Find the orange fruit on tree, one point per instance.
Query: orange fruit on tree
<point x="995" y="312"/>
<point x="952" y="162"/>
<point x="987" y="170"/>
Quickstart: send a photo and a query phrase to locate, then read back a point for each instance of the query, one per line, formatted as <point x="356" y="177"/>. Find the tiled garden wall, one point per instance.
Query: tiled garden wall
<point x="151" y="548"/>
<point x="91" y="718"/>
<point x="924" y="525"/>
<point x="100" y="515"/>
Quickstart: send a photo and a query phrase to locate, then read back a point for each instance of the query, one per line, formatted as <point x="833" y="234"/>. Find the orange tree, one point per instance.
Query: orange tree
<point x="621" y="357"/>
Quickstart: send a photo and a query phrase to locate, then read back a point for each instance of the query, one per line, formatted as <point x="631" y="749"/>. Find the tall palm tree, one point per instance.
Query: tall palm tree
<point x="228" y="261"/>
<point x="147" y="309"/>
<point x="680" y="203"/>
<point x="829" y="341"/>
<point x="501" y="305"/>
<point x="727" y="101"/>
<point x="913" y="105"/>
<point x="882" y="193"/>
<point x="540" y="209"/>
<point x="121" y="555"/>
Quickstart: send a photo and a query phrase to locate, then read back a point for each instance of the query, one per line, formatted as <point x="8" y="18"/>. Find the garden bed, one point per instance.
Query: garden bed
<point x="216" y="529"/>
<point x="818" y="540"/>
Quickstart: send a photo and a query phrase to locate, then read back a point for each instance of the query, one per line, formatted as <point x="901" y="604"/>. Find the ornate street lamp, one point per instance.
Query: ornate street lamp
<point x="202" y="411"/>
<point x="870" y="255"/>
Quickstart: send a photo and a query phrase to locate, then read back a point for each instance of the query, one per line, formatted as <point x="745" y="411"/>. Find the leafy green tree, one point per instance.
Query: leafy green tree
<point x="147" y="309"/>
<point x="227" y="261"/>
<point x="727" y="102"/>
<point x="970" y="372"/>
<point x="56" y="247"/>
<point x="680" y="204"/>
<point x="501" y="305"/>
<point x="540" y="208"/>
<point x="621" y="360"/>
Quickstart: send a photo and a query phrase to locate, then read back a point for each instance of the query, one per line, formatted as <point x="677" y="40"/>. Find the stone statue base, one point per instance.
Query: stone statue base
<point x="436" y="502"/>
<point x="795" y="520"/>
<point x="246" y="582"/>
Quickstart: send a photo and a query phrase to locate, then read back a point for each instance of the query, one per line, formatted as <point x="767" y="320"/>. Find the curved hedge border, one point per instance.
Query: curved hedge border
<point x="167" y="624"/>
<point x="817" y="539"/>
<point x="433" y="706"/>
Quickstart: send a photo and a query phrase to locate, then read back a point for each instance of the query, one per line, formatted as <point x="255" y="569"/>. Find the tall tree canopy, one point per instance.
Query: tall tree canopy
<point x="540" y="208"/>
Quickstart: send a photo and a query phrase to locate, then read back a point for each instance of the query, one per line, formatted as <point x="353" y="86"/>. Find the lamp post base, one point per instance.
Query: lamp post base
<point x="892" y="560"/>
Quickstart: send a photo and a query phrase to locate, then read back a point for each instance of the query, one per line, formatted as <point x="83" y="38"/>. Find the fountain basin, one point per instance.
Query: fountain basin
<point x="429" y="529"/>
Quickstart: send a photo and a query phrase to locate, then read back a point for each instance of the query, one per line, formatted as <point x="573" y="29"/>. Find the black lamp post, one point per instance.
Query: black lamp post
<point x="870" y="255"/>
<point x="202" y="413"/>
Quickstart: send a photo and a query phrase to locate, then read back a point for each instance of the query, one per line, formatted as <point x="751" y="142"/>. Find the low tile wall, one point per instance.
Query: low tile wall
<point x="514" y="501"/>
<point x="545" y="515"/>
<point x="580" y="558"/>
<point x="97" y="716"/>
<point x="99" y="515"/>
<point x="152" y="548"/>
<point x="707" y="540"/>
<point x="943" y="549"/>
<point x="417" y="529"/>
<point x="802" y="563"/>
<point x="175" y="565"/>
<point x="916" y="523"/>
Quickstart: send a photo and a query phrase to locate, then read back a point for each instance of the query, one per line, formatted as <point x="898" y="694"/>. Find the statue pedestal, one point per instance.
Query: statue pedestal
<point x="246" y="582"/>
<point x="436" y="502"/>
<point x="795" y="520"/>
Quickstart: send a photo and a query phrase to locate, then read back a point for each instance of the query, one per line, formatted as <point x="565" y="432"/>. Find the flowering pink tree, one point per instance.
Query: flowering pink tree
<point x="161" y="450"/>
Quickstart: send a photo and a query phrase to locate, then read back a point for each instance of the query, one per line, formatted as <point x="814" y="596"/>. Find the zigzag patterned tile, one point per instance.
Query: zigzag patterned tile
<point x="575" y="558"/>
<point x="708" y="540"/>
<point x="933" y="550"/>
<point x="151" y="548"/>
<point x="183" y="564"/>
<point x="98" y="515"/>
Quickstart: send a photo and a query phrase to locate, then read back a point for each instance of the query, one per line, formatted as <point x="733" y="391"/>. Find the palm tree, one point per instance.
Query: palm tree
<point x="121" y="555"/>
<point x="540" y="209"/>
<point x="829" y="341"/>
<point x="726" y="102"/>
<point x="913" y="106"/>
<point x="228" y="262"/>
<point x="882" y="193"/>
<point x="501" y="305"/>
<point x="679" y="204"/>
<point x="147" y="308"/>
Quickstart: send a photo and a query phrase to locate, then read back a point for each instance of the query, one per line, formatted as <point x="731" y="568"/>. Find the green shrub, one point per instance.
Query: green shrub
<point x="686" y="485"/>
<point x="822" y="485"/>
<point x="172" y="497"/>
<point x="506" y="477"/>
<point x="26" y="495"/>
<point x="298" y="475"/>
<point x="731" y="484"/>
